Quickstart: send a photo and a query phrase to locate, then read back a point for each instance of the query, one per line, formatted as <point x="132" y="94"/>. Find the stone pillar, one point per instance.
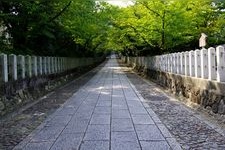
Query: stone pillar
<point x="56" y="64"/>
<point x="28" y="66"/>
<point x="175" y="63"/>
<point x="13" y="66"/>
<point x="212" y="63"/>
<point x="220" y="53"/>
<point x="49" y="65"/>
<point x="171" y="63"/>
<point x="59" y="64"/>
<point x="52" y="65"/>
<point x="34" y="65"/>
<point x="204" y="64"/>
<point x="197" y="63"/>
<point x="40" y="67"/>
<point x="156" y="63"/>
<point x="44" y="65"/>
<point x="149" y="63"/>
<point x="21" y="66"/>
<point x="182" y="63"/>
<point x="65" y="64"/>
<point x="4" y="66"/>
<point x="178" y="63"/>
<point x="163" y="62"/>
<point x="159" y="63"/>
<point x="186" y="62"/>
<point x="192" y="63"/>
<point x="166" y="63"/>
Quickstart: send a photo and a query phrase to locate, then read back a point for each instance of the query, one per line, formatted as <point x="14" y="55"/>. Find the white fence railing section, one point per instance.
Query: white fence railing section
<point x="205" y="63"/>
<point x="15" y="67"/>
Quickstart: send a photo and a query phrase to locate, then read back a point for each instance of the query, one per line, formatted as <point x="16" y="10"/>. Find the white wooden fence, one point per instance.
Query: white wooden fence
<point x="15" y="67"/>
<point x="205" y="63"/>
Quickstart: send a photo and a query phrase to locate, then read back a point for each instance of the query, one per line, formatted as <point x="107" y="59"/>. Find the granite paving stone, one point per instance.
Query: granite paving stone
<point x="148" y="132"/>
<point x="100" y="119"/>
<point x="122" y="145"/>
<point x="95" y="145"/>
<point x="155" y="145"/>
<point x="142" y="119"/>
<point x="68" y="141"/>
<point x="120" y="113"/>
<point x="59" y="120"/>
<point x="138" y="110"/>
<point x="105" y="114"/>
<point x="97" y="132"/>
<point x="104" y="103"/>
<point x="134" y="103"/>
<point x="102" y="110"/>
<point x="124" y="136"/>
<point x="47" y="134"/>
<point x="38" y="146"/>
<point x="76" y="126"/>
<point x="122" y="124"/>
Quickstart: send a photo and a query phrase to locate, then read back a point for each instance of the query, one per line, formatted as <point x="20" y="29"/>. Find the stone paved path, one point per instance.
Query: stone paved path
<point x="193" y="129"/>
<point x="107" y="113"/>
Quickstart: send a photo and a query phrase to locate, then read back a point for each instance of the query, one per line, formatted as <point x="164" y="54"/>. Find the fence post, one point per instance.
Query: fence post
<point x="192" y="63"/>
<point x="39" y="66"/>
<point x="179" y="63"/>
<point x="186" y="59"/>
<point x="182" y="63"/>
<point x="44" y="65"/>
<point x="64" y="64"/>
<point x="49" y="65"/>
<point x="4" y="64"/>
<point x="163" y="62"/>
<point x="13" y="66"/>
<point x="21" y="66"/>
<point x="171" y="63"/>
<point x="212" y="61"/>
<point x="52" y="65"/>
<point x="175" y="63"/>
<point x="61" y="64"/>
<point x="204" y="64"/>
<point x="197" y="64"/>
<point x="58" y="65"/>
<point x="220" y="53"/>
<point x="55" y="65"/>
<point x="34" y="65"/>
<point x="28" y="66"/>
<point x="168" y="61"/>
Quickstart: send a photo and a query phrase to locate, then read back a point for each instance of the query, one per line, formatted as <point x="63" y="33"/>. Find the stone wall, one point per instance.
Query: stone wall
<point x="16" y="94"/>
<point x="205" y="93"/>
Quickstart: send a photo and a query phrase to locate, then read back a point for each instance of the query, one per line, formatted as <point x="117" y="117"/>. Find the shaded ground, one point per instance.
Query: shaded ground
<point x="105" y="114"/>
<point x="190" y="128"/>
<point x="15" y="129"/>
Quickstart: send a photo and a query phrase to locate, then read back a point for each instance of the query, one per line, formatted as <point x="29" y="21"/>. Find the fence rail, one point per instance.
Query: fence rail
<point x="205" y="63"/>
<point x="15" y="67"/>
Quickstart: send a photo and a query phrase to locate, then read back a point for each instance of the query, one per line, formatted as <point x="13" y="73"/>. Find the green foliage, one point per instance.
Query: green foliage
<point x="88" y="28"/>
<point x="158" y="26"/>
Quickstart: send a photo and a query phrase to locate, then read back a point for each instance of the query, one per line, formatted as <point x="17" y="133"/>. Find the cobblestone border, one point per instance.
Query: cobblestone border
<point x="190" y="127"/>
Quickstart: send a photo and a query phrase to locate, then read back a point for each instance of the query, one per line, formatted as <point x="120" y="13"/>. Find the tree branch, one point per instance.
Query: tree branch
<point x="153" y="11"/>
<point x="61" y="12"/>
